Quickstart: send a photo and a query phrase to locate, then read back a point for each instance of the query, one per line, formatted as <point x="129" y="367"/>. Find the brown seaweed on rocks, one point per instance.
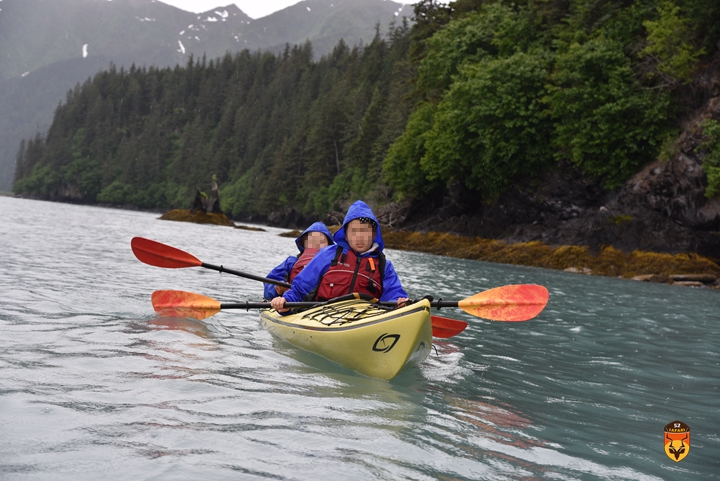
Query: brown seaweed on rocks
<point x="682" y="269"/>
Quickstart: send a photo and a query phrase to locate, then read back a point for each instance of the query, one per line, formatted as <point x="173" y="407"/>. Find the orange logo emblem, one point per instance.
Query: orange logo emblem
<point x="677" y="440"/>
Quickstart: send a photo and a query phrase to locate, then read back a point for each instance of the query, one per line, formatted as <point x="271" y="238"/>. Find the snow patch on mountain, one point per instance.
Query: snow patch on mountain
<point x="182" y="47"/>
<point x="85" y="50"/>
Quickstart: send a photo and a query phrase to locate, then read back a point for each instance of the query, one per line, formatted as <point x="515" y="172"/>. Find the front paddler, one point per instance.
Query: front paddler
<point x="355" y="264"/>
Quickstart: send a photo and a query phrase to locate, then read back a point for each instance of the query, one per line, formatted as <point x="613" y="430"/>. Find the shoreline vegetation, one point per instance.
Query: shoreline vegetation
<point x="687" y="269"/>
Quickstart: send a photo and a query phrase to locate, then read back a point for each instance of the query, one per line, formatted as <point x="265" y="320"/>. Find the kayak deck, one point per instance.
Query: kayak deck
<point x="359" y="335"/>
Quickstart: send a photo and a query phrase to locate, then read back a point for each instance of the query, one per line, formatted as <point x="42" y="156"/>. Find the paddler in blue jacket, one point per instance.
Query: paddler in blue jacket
<point x="355" y="264"/>
<point x="308" y="243"/>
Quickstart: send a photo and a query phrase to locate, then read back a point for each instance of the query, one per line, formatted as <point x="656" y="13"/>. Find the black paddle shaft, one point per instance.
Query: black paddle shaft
<point x="222" y="269"/>
<point x="293" y="305"/>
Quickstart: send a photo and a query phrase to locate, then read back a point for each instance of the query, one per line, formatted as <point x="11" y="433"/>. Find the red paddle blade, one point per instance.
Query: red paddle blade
<point x="444" y="327"/>
<point x="184" y="304"/>
<point x="519" y="302"/>
<point x="161" y="255"/>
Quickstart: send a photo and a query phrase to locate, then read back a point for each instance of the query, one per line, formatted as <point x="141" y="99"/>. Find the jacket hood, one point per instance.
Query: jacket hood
<point x="316" y="227"/>
<point x="359" y="209"/>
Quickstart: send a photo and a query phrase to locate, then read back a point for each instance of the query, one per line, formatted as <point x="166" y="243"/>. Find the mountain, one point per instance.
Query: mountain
<point x="48" y="46"/>
<point x="323" y="22"/>
<point x="37" y="33"/>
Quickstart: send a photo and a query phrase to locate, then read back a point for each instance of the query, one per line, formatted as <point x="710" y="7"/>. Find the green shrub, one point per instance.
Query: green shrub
<point x="116" y="193"/>
<point x="402" y="163"/>
<point x="489" y="128"/>
<point x="42" y="181"/>
<point x="619" y="220"/>
<point x="669" y="45"/>
<point x="496" y="30"/>
<point x="711" y="163"/>
<point x="605" y="122"/>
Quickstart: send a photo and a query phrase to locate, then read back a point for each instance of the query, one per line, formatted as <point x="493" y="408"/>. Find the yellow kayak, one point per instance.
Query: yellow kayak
<point x="367" y="338"/>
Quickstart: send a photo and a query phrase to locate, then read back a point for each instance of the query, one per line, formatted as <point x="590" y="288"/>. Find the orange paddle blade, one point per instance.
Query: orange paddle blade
<point x="519" y="302"/>
<point x="444" y="327"/>
<point x="161" y="255"/>
<point x="184" y="304"/>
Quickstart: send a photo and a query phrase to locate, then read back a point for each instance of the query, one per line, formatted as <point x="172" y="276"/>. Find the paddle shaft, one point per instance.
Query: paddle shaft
<point x="222" y="269"/>
<point x="296" y="305"/>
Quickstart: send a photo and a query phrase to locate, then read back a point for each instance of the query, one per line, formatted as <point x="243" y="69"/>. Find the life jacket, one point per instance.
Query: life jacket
<point x="348" y="273"/>
<point x="304" y="259"/>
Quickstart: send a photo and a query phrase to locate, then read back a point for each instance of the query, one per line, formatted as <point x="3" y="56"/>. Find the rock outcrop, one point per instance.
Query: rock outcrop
<point x="197" y="217"/>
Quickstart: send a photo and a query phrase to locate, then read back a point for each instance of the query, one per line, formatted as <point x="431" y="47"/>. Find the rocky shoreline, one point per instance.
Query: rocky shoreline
<point x="202" y="217"/>
<point x="197" y="217"/>
<point x="678" y="269"/>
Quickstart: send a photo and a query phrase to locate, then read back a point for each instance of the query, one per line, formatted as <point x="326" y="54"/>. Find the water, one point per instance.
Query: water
<point x="93" y="384"/>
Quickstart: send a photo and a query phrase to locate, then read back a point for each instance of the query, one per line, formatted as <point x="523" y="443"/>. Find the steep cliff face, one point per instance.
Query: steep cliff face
<point x="662" y="208"/>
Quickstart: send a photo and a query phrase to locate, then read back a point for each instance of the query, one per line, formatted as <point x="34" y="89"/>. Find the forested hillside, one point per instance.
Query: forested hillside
<point x="276" y="129"/>
<point x="483" y="94"/>
<point x="47" y="46"/>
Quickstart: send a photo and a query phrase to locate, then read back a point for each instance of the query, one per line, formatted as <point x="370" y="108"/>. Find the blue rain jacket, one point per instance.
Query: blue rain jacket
<point x="310" y="277"/>
<point x="282" y="272"/>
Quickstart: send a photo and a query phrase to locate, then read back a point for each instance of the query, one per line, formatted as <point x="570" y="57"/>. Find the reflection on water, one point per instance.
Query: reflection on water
<point x="93" y="383"/>
<point x="496" y="426"/>
<point x="191" y="326"/>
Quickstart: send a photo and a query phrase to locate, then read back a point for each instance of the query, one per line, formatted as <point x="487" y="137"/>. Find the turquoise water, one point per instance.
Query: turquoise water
<point x="93" y="384"/>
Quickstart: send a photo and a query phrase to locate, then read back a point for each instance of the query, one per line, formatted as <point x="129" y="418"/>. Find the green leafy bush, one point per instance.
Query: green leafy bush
<point x="605" y="122"/>
<point x="116" y="193"/>
<point x="711" y="164"/>
<point x="42" y="181"/>
<point x="496" y="30"/>
<point x="402" y="163"/>
<point x="668" y="43"/>
<point x="489" y="127"/>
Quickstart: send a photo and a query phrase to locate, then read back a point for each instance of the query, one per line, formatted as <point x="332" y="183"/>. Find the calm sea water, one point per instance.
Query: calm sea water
<point x="93" y="385"/>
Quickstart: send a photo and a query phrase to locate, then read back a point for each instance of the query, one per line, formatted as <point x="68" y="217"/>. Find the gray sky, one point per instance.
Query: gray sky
<point x="253" y="8"/>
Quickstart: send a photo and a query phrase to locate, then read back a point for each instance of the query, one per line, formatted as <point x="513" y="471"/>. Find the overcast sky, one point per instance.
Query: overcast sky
<point x="253" y="8"/>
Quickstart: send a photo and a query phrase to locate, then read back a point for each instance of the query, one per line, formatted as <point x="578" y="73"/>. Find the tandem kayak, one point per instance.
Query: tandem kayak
<point x="362" y="336"/>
